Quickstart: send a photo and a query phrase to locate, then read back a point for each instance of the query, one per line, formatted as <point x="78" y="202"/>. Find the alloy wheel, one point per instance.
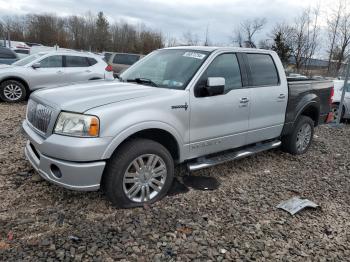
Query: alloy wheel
<point x="304" y="137"/>
<point x="12" y="92"/>
<point x="144" y="178"/>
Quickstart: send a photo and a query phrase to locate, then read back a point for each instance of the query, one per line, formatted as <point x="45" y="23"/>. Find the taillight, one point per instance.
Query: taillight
<point x="331" y="96"/>
<point x="109" y="68"/>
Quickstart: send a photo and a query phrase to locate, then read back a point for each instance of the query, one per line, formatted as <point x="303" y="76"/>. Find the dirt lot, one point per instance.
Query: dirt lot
<point x="237" y="221"/>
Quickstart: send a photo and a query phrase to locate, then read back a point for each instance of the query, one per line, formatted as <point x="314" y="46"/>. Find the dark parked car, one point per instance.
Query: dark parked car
<point x="121" y="61"/>
<point x="7" y="56"/>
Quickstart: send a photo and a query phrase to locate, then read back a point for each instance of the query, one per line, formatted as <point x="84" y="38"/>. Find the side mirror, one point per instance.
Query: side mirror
<point x="36" y="65"/>
<point x="215" y="86"/>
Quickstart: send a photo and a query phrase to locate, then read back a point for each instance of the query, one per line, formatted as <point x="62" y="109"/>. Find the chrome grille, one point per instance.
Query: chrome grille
<point x="38" y="115"/>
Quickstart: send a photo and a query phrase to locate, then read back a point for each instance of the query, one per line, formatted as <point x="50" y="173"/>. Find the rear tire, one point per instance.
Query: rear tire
<point x="140" y="172"/>
<point x="335" y="111"/>
<point x="299" y="141"/>
<point x="12" y="91"/>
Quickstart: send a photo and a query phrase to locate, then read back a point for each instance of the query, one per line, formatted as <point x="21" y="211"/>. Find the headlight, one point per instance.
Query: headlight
<point x="80" y="125"/>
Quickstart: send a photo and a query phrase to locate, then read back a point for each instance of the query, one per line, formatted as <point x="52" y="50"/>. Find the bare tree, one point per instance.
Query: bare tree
<point x="313" y="29"/>
<point x="190" y="39"/>
<point x="304" y="37"/>
<point x="344" y="37"/>
<point x="237" y="37"/>
<point x="249" y="28"/>
<point x="171" y="41"/>
<point x="333" y="32"/>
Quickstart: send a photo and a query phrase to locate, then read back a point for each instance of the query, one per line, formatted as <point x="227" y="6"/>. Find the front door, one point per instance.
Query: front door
<point x="49" y="74"/>
<point x="219" y="122"/>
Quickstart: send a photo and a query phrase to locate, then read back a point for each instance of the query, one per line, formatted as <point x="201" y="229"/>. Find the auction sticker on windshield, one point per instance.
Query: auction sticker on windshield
<point x="194" y="55"/>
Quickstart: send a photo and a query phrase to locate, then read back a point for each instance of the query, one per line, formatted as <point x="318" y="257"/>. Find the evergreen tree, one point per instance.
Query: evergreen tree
<point x="103" y="38"/>
<point x="281" y="47"/>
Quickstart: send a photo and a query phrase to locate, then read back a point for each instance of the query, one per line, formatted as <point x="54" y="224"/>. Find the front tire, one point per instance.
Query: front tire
<point x="12" y="91"/>
<point x="140" y="172"/>
<point x="299" y="141"/>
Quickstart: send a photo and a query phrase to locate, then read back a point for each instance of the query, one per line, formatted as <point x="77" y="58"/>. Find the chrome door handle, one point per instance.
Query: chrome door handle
<point x="88" y="71"/>
<point x="244" y="100"/>
<point x="282" y="96"/>
<point x="60" y="72"/>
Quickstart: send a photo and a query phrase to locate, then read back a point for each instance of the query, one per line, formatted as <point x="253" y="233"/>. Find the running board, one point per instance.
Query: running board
<point x="229" y="156"/>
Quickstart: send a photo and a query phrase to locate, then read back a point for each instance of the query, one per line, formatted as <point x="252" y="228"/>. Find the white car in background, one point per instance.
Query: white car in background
<point x="338" y="89"/>
<point x="50" y="69"/>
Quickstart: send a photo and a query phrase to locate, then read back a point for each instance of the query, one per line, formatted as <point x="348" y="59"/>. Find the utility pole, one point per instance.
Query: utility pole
<point x="206" y="43"/>
<point x="341" y="105"/>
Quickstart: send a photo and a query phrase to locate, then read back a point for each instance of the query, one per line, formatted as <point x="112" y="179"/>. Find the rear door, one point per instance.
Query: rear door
<point x="219" y="122"/>
<point x="269" y="98"/>
<point x="77" y="68"/>
<point x="49" y="74"/>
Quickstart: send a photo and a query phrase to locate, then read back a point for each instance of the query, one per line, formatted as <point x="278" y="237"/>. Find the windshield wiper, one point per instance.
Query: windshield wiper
<point x="141" y="80"/>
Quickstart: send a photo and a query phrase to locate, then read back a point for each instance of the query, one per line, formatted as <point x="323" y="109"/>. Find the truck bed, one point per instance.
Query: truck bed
<point x="305" y="93"/>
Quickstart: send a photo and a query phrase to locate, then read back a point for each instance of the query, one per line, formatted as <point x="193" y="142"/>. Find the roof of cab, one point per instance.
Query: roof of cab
<point x="216" y="48"/>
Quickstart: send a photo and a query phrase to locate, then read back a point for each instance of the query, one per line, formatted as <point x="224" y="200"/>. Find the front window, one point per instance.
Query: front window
<point x="27" y="60"/>
<point x="167" y="68"/>
<point x="51" y="62"/>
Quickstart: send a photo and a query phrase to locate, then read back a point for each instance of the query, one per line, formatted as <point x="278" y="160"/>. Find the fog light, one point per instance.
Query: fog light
<point x="56" y="171"/>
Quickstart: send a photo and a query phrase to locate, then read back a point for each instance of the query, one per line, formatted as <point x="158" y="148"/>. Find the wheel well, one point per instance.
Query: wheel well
<point x="19" y="80"/>
<point x="311" y="112"/>
<point x="162" y="137"/>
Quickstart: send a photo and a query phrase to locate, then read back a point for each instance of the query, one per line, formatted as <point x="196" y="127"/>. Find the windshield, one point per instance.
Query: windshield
<point x="167" y="68"/>
<point x="27" y="60"/>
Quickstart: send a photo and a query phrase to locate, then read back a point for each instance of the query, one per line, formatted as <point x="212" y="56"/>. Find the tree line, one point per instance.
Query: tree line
<point x="89" y="32"/>
<point x="298" y="40"/>
<point x="304" y="37"/>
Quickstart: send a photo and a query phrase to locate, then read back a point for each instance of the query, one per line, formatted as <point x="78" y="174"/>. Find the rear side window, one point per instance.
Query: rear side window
<point x="6" y="53"/>
<point x="77" y="61"/>
<point x="263" y="70"/>
<point x="51" y="61"/>
<point x="92" y="61"/>
<point x="125" y="59"/>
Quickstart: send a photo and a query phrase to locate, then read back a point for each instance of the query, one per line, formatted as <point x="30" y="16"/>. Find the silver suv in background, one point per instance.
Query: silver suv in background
<point x="50" y="69"/>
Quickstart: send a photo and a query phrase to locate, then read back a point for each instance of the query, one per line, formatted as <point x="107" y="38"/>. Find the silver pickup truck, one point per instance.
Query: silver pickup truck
<point x="198" y="105"/>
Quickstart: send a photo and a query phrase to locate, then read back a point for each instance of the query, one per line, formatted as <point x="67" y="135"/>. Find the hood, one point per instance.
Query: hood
<point x="85" y="96"/>
<point x="5" y="66"/>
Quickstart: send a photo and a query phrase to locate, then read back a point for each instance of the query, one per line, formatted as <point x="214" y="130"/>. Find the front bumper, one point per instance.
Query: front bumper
<point x="71" y="175"/>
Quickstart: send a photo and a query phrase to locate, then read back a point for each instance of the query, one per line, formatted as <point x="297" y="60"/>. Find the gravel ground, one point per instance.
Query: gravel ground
<point x="239" y="220"/>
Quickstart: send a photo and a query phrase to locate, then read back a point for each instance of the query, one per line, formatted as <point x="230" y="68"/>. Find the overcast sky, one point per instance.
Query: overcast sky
<point x="176" y="16"/>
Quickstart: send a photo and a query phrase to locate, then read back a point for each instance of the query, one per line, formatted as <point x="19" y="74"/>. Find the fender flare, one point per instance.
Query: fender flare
<point x="131" y="130"/>
<point x="16" y="78"/>
<point x="307" y="105"/>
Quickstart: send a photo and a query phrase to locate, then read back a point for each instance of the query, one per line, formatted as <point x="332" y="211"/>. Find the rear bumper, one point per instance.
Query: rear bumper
<point x="70" y="175"/>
